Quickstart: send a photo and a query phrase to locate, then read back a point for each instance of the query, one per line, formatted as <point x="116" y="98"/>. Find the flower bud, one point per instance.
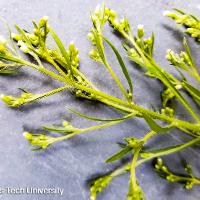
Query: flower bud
<point x="71" y="46"/>
<point x="3" y="40"/>
<point x="178" y="87"/>
<point x="15" y="36"/>
<point x="112" y="13"/>
<point x="2" y="49"/>
<point x="159" y="162"/>
<point x="27" y="135"/>
<point x="43" y="21"/>
<point x="140" y="28"/>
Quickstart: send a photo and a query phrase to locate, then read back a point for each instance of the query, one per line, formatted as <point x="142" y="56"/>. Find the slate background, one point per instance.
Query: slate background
<point x="71" y="163"/>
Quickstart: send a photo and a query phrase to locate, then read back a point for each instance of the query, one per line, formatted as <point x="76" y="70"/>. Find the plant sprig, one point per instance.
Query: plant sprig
<point x="64" y="63"/>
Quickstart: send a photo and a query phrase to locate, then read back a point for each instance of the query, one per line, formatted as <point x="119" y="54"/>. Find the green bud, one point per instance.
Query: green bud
<point x="27" y="135"/>
<point x="3" y="41"/>
<point x="43" y="21"/>
<point x="3" y="50"/>
<point x="140" y="30"/>
<point x="16" y="37"/>
<point x="159" y="161"/>
<point x="112" y="13"/>
<point x="178" y="87"/>
<point x="188" y="185"/>
<point x="167" y="111"/>
<point x="170" y="14"/>
<point x="157" y="166"/>
<point x="164" y="169"/>
<point x="90" y="36"/>
<point x="71" y="46"/>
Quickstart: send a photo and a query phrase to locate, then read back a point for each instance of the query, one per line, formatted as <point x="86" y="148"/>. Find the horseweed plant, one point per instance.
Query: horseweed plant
<point x="65" y="64"/>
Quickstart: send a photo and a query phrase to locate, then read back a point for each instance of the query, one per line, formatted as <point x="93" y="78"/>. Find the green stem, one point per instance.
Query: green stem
<point x="167" y="151"/>
<point x="186" y="179"/>
<point x="113" y="101"/>
<point x="133" y="166"/>
<point x="40" y="96"/>
<point x="87" y="130"/>
<point x="127" y="167"/>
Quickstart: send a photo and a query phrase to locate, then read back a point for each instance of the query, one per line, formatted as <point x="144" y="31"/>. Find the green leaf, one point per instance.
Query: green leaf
<point x="35" y="25"/>
<point x="179" y="11"/>
<point x="25" y="38"/>
<point x="154" y="126"/>
<point x="119" y="154"/>
<point x="187" y="49"/>
<point x="11" y="58"/>
<point x="103" y="120"/>
<point x="61" y="48"/>
<point x="169" y="150"/>
<point x="120" y="60"/>
<point x="8" y="71"/>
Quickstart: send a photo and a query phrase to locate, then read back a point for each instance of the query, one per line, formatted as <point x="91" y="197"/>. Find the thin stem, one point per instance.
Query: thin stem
<point x="133" y="166"/>
<point x="167" y="151"/>
<point x="155" y="155"/>
<point x="40" y="96"/>
<point x="115" y="102"/>
<point x="87" y="130"/>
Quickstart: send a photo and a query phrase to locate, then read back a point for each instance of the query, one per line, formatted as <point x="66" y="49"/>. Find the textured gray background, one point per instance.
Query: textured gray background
<point x="71" y="163"/>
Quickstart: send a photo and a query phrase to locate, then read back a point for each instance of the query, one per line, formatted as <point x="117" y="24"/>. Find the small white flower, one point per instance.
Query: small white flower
<point x="169" y="51"/>
<point x="97" y="9"/>
<point x="3" y="40"/>
<point x="25" y="134"/>
<point x="13" y="35"/>
<point x="45" y="18"/>
<point x="71" y="43"/>
<point x="20" y="43"/>
<point x="167" y="13"/>
<point x="178" y="87"/>
<point x="140" y="26"/>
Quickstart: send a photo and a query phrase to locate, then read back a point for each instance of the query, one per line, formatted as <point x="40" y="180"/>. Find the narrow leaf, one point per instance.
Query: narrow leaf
<point x="192" y="90"/>
<point x="103" y="120"/>
<point x="119" y="154"/>
<point x="121" y="62"/>
<point x="60" y="46"/>
<point x="168" y="150"/>
<point x="154" y="126"/>
<point x="8" y="71"/>
<point x="187" y="49"/>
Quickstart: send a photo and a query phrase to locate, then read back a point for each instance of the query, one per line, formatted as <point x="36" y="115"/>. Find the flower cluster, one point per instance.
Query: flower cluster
<point x="40" y="141"/>
<point x="119" y="25"/>
<point x="17" y="101"/>
<point x="33" y="42"/>
<point x="191" y="23"/>
<point x="99" y="185"/>
<point x="181" y="60"/>
<point x="145" y="44"/>
<point x="164" y="172"/>
<point x="135" y="193"/>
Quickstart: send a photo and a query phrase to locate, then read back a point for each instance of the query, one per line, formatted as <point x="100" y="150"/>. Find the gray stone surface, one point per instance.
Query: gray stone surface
<point x="71" y="163"/>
